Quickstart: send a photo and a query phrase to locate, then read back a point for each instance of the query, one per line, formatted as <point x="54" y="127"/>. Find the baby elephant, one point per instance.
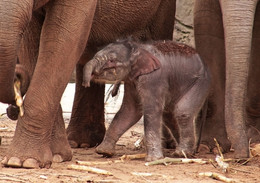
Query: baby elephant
<point x="161" y="79"/>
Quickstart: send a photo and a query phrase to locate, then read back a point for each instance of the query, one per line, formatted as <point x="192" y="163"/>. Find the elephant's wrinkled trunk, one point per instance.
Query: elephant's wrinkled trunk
<point x="238" y="23"/>
<point x="23" y="75"/>
<point x="14" y="17"/>
<point x="88" y="70"/>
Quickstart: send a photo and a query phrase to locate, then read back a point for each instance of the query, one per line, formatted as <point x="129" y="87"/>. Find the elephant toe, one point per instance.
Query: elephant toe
<point x="57" y="158"/>
<point x="28" y="163"/>
<point x="31" y="163"/>
<point x="73" y="144"/>
<point x="14" y="162"/>
<point x="105" y="152"/>
<point x="84" y="145"/>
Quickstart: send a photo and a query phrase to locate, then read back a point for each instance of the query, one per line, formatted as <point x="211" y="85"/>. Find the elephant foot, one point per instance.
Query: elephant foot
<point x="28" y="157"/>
<point x="154" y="155"/>
<point x="183" y="152"/>
<point x="61" y="150"/>
<point x="211" y="144"/>
<point x="90" y="135"/>
<point x="107" y="149"/>
<point x="241" y="150"/>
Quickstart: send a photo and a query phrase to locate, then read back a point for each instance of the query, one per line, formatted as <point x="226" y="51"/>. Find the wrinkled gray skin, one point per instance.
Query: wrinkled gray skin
<point x="51" y="37"/>
<point x="227" y="36"/>
<point x="159" y="78"/>
<point x="23" y="76"/>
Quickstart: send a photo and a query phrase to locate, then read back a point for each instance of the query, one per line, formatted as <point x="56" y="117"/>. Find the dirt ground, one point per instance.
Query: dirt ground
<point x="134" y="171"/>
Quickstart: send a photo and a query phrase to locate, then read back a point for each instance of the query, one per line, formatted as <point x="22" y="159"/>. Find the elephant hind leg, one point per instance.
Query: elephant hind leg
<point x="209" y="39"/>
<point x="186" y="112"/>
<point x="87" y="127"/>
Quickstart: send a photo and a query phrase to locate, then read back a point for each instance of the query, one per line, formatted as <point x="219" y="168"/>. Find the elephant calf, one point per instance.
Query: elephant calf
<point x="160" y="78"/>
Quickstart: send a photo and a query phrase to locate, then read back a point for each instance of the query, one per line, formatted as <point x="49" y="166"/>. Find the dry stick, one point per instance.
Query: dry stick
<point x="1" y="115"/>
<point x="89" y="169"/>
<point x="13" y="178"/>
<point x="145" y="174"/>
<point x="218" y="177"/>
<point x="219" y="150"/>
<point x="175" y="160"/>
<point x="3" y="129"/>
<point x="91" y="163"/>
<point x="131" y="157"/>
<point x="184" y="154"/>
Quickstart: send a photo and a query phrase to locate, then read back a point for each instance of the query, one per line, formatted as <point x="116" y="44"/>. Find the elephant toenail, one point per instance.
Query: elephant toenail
<point x="73" y="144"/>
<point x="31" y="163"/>
<point x="84" y="145"/>
<point x="57" y="158"/>
<point x="14" y="162"/>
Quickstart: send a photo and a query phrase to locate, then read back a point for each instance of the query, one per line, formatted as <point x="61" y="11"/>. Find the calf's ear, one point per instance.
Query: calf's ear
<point x="142" y="63"/>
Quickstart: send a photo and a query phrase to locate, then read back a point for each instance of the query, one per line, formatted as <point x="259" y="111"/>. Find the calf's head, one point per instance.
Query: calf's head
<point x="118" y="61"/>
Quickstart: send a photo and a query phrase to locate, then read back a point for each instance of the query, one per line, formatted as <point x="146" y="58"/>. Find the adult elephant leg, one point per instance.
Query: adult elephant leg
<point x="31" y="143"/>
<point x="238" y="36"/>
<point x="253" y="94"/>
<point x="60" y="147"/>
<point x="209" y="39"/>
<point x="86" y="127"/>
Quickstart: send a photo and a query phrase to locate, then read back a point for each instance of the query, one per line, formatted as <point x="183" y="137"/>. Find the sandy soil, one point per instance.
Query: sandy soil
<point x="133" y="171"/>
<point x="128" y="171"/>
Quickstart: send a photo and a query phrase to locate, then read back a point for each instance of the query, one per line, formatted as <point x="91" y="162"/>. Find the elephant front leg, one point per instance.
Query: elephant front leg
<point x="152" y="130"/>
<point x="86" y="127"/>
<point x="31" y="145"/>
<point x="60" y="147"/>
<point x="29" y="149"/>
<point x="128" y="115"/>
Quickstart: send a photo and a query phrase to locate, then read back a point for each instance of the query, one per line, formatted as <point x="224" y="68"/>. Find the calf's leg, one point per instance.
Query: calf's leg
<point x="128" y="115"/>
<point x="186" y="111"/>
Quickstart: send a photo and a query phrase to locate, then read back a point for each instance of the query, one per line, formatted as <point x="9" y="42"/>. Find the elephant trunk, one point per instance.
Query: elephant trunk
<point x="14" y="17"/>
<point x="88" y="70"/>
<point x="93" y="67"/>
<point x="23" y="75"/>
<point x="238" y="23"/>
